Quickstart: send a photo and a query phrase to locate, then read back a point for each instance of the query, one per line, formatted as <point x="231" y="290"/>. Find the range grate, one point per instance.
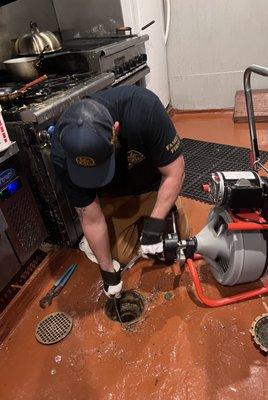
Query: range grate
<point x="203" y="158"/>
<point x="53" y="328"/>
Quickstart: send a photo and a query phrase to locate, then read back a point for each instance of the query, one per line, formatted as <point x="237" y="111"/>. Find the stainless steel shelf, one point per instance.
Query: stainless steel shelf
<point x="9" y="152"/>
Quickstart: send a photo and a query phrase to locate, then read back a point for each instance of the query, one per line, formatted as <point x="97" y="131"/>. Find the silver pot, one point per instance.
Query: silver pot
<point x="36" y="41"/>
<point x="24" y="68"/>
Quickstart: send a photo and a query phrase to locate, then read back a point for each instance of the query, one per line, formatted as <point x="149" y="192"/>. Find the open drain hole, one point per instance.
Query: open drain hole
<point x="259" y="332"/>
<point x="130" y="307"/>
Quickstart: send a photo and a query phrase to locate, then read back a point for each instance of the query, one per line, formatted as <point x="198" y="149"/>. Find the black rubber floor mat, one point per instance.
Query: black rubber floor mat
<point x="203" y="158"/>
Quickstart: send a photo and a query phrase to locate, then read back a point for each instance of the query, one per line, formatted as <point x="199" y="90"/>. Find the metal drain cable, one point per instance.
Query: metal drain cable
<point x="117" y="310"/>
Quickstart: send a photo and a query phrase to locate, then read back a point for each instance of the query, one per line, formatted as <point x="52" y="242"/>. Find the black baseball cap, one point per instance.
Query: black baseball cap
<point x="86" y="134"/>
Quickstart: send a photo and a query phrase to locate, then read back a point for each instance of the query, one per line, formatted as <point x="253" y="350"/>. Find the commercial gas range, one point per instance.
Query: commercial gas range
<point x="84" y="67"/>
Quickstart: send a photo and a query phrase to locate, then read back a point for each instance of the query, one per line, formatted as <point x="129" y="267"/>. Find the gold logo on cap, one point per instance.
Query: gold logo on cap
<point x="84" y="161"/>
<point x="113" y="138"/>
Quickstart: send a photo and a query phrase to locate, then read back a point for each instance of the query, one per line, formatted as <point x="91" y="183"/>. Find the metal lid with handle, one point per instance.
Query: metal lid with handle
<point x="36" y="41"/>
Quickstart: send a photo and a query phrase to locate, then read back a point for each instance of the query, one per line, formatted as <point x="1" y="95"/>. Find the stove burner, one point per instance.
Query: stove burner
<point x="37" y="95"/>
<point x="56" y="83"/>
<point x="53" y="85"/>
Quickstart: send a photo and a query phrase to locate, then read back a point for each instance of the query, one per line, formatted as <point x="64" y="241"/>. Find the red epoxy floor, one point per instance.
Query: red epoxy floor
<point x="180" y="350"/>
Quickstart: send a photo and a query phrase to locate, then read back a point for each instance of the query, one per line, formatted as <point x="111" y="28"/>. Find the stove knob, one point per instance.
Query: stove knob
<point x="143" y="57"/>
<point x="117" y="71"/>
<point x="126" y="66"/>
<point x="51" y="130"/>
<point x="138" y="60"/>
<point x="121" y="69"/>
<point x="43" y="136"/>
<point x="132" y="63"/>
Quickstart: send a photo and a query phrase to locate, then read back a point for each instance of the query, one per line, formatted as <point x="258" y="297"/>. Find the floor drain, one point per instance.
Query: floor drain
<point x="53" y="328"/>
<point x="259" y="332"/>
<point x="129" y="307"/>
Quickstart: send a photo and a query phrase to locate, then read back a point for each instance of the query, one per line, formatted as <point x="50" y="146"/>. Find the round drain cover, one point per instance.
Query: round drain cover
<point x="259" y="332"/>
<point x="53" y="328"/>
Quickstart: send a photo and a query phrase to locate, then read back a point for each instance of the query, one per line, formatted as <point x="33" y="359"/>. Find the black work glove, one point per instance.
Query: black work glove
<point x="151" y="238"/>
<point x="112" y="283"/>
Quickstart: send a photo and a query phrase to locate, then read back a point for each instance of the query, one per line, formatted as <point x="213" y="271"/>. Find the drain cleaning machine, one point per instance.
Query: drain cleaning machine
<point x="234" y="240"/>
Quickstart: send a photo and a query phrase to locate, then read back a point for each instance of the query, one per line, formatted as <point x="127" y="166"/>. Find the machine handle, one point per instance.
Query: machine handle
<point x="259" y="70"/>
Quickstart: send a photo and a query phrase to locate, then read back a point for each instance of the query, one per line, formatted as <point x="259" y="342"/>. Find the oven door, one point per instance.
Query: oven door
<point x="9" y="264"/>
<point x="71" y="230"/>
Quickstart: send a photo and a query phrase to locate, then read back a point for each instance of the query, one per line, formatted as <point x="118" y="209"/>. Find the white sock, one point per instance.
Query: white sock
<point x="84" y="246"/>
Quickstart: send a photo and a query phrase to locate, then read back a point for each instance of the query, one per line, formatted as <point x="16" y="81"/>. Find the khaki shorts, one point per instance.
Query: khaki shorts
<point x="124" y="217"/>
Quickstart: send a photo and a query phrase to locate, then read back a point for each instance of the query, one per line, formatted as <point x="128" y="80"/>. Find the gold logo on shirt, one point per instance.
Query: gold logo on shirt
<point x="134" y="157"/>
<point x="174" y="145"/>
<point x="84" y="161"/>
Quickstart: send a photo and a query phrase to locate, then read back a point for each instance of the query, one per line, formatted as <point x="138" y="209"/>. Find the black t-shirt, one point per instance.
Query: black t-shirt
<point x="147" y="140"/>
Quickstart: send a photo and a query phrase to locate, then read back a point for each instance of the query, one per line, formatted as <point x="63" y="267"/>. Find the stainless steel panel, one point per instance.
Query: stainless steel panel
<point x="69" y="218"/>
<point x="89" y="17"/>
<point x="117" y="58"/>
<point x="9" y="264"/>
<point x="124" y="45"/>
<point x="3" y="223"/>
<point x="132" y="78"/>
<point x="25" y="229"/>
<point x="9" y="152"/>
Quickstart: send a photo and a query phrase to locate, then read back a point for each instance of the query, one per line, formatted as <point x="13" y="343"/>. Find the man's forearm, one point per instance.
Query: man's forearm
<point x="170" y="187"/>
<point x="167" y="195"/>
<point x="96" y="233"/>
<point x="98" y="239"/>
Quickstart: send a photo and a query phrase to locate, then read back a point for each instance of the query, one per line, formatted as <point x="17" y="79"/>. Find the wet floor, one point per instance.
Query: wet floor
<point x="179" y="350"/>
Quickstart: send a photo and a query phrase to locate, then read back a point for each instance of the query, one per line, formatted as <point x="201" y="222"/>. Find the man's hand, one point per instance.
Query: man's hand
<point x="112" y="283"/>
<point x="151" y="238"/>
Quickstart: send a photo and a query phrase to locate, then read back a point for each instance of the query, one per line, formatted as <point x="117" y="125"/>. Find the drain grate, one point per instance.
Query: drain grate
<point x="53" y="328"/>
<point x="203" y="158"/>
<point x="130" y="307"/>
